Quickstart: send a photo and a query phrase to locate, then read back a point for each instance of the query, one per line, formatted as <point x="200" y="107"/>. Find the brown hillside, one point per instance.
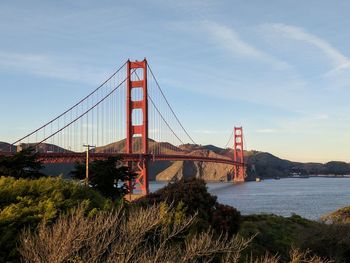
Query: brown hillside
<point x="207" y="171"/>
<point x="159" y="147"/>
<point x="44" y="148"/>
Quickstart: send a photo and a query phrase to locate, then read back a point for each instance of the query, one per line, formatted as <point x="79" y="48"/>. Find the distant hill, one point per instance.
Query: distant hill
<point x="45" y="147"/>
<point x="50" y="169"/>
<point x="119" y="146"/>
<point x="6" y="147"/>
<point x="260" y="164"/>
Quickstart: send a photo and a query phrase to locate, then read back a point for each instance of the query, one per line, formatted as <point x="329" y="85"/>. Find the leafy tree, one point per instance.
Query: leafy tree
<point x="106" y="176"/>
<point x="23" y="164"/>
<point x="192" y="192"/>
<point x="27" y="202"/>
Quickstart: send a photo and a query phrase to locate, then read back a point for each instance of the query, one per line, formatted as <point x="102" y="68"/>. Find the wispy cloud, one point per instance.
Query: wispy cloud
<point x="49" y="66"/>
<point x="301" y="123"/>
<point x="321" y="116"/>
<point x="266" y="130"/>
<point x="229" y="39"/>
<point x="338" y="60"/>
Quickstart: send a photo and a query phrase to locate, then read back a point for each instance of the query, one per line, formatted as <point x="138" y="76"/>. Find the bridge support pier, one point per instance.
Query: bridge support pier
<point x="137" y="79"/>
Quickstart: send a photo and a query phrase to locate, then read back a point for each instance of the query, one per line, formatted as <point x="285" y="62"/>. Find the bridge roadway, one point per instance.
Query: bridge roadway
<point x="72" y="157"/>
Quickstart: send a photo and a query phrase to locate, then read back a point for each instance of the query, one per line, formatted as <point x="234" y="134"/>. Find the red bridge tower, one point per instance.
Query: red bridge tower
<point x="138" y="129"/>
<point x="238" y="154"/>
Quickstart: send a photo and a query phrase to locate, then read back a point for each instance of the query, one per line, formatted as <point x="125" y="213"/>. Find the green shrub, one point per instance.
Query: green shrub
<point x="25" y="202"/>
<point x="328" y="241"/>
<point x="226" y="218"/>
<point x="273" y="234"/>
<point x="193" y="193"/>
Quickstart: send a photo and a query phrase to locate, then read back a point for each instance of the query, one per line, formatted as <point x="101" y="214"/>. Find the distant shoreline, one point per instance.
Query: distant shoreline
<point x="269" y="178"/>
<point x="332" y="176"/>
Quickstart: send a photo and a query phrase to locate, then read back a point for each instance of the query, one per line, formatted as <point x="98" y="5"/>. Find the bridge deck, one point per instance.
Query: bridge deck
<point x="76" y="157"/>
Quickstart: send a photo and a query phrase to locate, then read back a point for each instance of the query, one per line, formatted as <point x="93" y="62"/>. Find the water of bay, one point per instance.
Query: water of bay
<point x="310" y="198"/>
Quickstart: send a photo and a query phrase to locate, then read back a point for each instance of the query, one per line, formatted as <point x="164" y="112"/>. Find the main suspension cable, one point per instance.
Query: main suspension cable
<point x="75" y="105"/>
<point x="229" y="139"/>
<point x="84" y="113"/>
<point x="161" y="91"/>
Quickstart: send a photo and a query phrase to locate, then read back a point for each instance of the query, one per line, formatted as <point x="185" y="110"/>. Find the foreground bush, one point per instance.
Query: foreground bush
<point x="194" y="195"/>
<point x="296" y="256"/>
<point x="274" y="234"/>
<point x="328" y="241"/>
<point x="26" y="202"/>
<point x="141" y="235"/>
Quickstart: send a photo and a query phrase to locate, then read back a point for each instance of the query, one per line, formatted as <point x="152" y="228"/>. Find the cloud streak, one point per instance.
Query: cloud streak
<point x="52" y="67"/>
<point x="266" y="130"/>
<point x="338" y="60"/>
<point x="229" y="39"/>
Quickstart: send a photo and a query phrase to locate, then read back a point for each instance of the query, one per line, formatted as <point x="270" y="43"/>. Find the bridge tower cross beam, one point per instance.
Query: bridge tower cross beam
<point x="238" y="155"/>
<point x="141" y="129"/>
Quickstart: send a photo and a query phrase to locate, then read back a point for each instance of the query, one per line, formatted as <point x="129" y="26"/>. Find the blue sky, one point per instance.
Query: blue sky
<point x="281" y="69"/>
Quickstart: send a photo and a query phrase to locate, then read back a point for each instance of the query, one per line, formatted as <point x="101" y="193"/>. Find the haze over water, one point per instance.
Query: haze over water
<point x="310" y="198"/>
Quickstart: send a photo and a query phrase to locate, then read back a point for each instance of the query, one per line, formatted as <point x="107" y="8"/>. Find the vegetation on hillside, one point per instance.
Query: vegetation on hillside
<point x="340" y="216"/>
<point x="266" y="165"/>
<point x="140" y="235"/>
<point x="67" y="222"/>
<point x="27" y="202"/>
<point x="277" y="235"/>
<point x="328" y="241"/>
<point x="181" y="217"/>
<point x="274" y="234"/>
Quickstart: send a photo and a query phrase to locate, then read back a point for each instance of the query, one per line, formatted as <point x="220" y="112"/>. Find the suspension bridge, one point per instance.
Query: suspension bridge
<point x="127" y="116"/>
